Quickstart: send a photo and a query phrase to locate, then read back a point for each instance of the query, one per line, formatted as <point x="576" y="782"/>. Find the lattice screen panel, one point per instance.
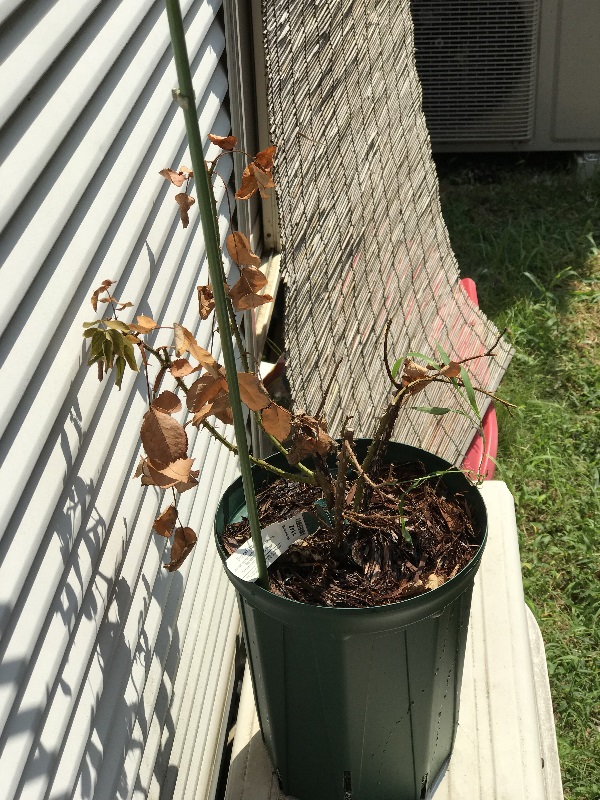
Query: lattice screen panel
<point x="360" y="216"/>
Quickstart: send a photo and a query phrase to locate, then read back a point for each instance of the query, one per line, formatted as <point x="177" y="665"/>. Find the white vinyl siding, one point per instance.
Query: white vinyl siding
<point x="114" y="673"/>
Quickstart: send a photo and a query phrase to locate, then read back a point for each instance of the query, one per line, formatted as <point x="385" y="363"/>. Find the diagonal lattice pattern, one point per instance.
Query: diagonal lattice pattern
<point x="364" y="239"/>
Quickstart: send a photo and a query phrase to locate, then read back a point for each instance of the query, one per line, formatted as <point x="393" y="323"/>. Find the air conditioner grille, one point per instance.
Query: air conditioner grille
<point x="477" y="64"/>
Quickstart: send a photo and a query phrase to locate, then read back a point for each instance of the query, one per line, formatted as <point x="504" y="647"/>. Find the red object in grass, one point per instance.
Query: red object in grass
<point x="475" y="459"/>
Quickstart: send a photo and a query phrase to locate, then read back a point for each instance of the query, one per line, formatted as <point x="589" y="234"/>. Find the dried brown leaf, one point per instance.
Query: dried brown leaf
<point x="185" y="202"/>
<point x="251" y="280"/>
<point x="203" y="391"/>
<point x="154" y="477"/>
<point x="255" y="179"/>
<point x="201" y="415"/>
<point x="451" y="370"/>
<point x="224" y="142"/>
<point x="221" y="408"/>
<point x="181" y="367"/>
<point x="264" y="180"/>
<point x="192" y="481"/>
<point x="308" y="437"/>
<point x="238" y="248"/>
<point x="176" y="178"/>
<point x="97" y="292"/>
<point x="167" y="402"/>
<point x="252" y="391"/>
<point x="264" y="159"/>
<point x="166" y="521"/>
<point x="249" y="184"/>
<point x="206" y="300"/>
<point x="434" y="580"/>
<point x="188" y="171"/>
<point x="184" y="540"/>
<point x="144" y="324"/>
<point x="159" y="379"/>
<point x="414" y="372"/>
<point x="178" y="471"/>
<point x="252" y="301"/>
<point x="243" y="292"/>
<point x="277" y="421"/>
<point x="183" y="339"/>
<point x="140" y="467"/>
<point x="204" y="358"/>
<point x="418" y="387"/>
<point x="164" y="439"/>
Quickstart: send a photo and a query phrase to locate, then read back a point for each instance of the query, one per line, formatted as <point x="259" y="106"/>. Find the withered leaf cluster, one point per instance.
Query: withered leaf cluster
<point x="185" y="202"/>
<point x="308" y="437"/>
<point x="257" y="176"/>
<point x="184" y="538"/>
<point x="244" y="294"/>
<point x="416" y="377"/>
<point x="177" y="178"/>
<point x="208" y="396"/>
<point x="104" y="287"/>
<point x="183" y="199"/>
<point x="166" y="465"/>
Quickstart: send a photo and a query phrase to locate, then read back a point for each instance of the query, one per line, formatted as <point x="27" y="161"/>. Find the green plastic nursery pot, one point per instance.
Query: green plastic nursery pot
<point x="358" y="704"/>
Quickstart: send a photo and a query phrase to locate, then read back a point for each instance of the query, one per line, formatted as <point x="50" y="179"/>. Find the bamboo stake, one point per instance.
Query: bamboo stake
<point x="186" y="99"/>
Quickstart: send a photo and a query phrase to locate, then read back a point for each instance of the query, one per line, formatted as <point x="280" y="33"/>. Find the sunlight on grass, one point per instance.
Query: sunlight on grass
<point x="528" y="238"/>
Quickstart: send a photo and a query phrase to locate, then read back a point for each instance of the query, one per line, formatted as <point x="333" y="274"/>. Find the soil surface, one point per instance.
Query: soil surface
<point x="385" y="558"/>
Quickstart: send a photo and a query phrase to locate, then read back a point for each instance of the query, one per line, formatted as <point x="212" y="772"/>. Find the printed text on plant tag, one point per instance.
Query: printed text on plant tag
<point x="277" y="537"/>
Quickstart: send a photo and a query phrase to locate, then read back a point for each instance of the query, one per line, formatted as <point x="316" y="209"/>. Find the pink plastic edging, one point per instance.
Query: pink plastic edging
<point x="475" y="459"/>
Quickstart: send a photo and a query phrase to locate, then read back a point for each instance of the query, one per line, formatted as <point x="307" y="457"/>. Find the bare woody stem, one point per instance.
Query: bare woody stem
<point x="323" y="478"/>
<point x="340" y="484"/>
<point x="377" y="447"/>
<point x="489" y="353"/>
<point x="493" y="396"/>
<point x="386" y="357"/>
<point x="377" y="487"/>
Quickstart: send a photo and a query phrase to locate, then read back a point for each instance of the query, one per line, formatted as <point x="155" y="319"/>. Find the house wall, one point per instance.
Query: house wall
<point x="114" y="674"/>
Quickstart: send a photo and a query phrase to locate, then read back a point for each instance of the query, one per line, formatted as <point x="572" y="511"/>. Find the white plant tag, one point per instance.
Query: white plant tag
<point x="276" y="540"/>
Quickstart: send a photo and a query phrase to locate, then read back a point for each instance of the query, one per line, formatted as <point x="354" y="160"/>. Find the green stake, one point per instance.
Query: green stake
<point x="185" y="98"/>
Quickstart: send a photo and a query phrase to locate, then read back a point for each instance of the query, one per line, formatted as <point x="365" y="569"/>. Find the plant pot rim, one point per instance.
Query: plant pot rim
<point x="434" y="600"/>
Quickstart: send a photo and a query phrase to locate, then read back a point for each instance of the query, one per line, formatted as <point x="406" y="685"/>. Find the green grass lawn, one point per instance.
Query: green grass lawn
<point x="526" y="230"/>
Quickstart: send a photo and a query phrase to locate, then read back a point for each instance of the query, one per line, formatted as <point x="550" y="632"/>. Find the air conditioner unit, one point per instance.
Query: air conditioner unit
<point x="509" y="74"/>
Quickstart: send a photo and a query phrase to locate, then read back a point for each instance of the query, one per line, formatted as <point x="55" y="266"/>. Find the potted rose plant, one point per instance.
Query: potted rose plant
<point x="354" y="566"/>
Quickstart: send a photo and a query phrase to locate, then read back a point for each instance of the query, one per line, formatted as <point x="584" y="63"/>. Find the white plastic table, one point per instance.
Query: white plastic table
<point x="506" y="743"/>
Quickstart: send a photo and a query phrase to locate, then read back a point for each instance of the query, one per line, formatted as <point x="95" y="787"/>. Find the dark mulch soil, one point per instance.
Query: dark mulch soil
<point x="378" y="562"/>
